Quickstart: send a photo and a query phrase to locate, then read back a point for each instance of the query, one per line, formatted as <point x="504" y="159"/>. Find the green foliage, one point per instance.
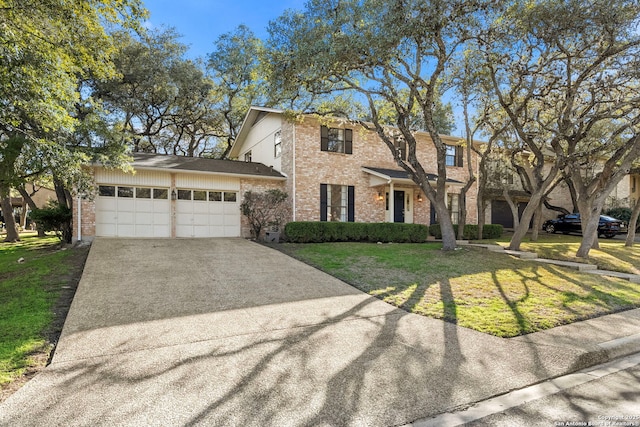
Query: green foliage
<point x="489" y="231"/>
<point x="56" y="218"/>
<point x="623" y="214"/>
<point x="263" y="210"/>
<point x="314" y="231"/>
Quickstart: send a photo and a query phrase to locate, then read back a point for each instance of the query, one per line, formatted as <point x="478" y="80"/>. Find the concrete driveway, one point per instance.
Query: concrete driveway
<point x="227" y="332"/>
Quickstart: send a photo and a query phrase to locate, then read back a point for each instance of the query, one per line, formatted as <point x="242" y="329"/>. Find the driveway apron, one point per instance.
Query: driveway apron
<point x="229" y="332"/>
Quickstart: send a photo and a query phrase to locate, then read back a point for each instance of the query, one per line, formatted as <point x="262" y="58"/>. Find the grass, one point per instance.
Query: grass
<point x="612" y="255"/>
<point x="489" y="292"/>
<point x="28" y="291"/>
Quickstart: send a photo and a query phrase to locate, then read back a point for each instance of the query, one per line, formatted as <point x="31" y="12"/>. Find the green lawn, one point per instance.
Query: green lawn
<point x="489" y="292"/>
<point x="28" y="292"/>
<point x="612" y="255"/>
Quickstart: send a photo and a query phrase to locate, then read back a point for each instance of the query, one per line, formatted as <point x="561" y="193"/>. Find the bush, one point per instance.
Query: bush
<point x="489" y="231"/>
<point x="623" y="214"/>
<point x="317" y="232"/>
<point x="264" y="210"/>
<point x="55" y="217"/>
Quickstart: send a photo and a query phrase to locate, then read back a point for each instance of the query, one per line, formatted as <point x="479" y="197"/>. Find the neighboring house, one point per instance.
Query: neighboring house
<point x="339" y="171"/>
<point x="504" y="177"/>
<point x="40" y="196"/>
<point x="170" y="196"/>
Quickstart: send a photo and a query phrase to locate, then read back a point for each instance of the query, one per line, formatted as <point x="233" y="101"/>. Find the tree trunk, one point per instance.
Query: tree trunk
<point x="633" y="223"/>
<point x="589" y="234"/>
<point x="32" y="205"/>
<point x="65" y="199"/>
<point x="521" y="231"/>
<point x="481" y="212"/>
<point x="7" y="213"/>
<point x="537" y="224"/>
<point x="512" y="206"/>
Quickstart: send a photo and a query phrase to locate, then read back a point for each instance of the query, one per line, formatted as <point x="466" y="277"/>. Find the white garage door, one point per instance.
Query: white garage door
<point x="207" y="213"/>
<point x="127" y="211"/>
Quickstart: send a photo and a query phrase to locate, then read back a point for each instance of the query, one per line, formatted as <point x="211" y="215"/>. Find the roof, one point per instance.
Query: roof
<point x="203" y="165"/>
<point x="402" y="174"/>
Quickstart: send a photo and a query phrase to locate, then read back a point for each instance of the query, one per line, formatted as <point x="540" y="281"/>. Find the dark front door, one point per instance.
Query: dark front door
<point x="398" y="206"/>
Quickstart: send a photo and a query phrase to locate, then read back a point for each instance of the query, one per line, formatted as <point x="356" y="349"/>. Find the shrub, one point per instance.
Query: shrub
<point x="55" y="217"/>
<point x="489" y="231"/>
<point x="623" y="214"/>
<point x="317" y="232"/>
<point x="263" y="210"/>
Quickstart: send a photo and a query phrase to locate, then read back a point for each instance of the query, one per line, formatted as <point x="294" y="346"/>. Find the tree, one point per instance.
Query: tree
<point x="565" y="76"/>
<point x="389" y="53"/>
<point x="263" y="210"/>
<point x="163" y="101"/>
<point x="44" y="48"/>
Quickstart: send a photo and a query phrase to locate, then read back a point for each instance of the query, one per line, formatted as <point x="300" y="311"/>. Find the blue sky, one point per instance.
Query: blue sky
<point x="200" y="22"/>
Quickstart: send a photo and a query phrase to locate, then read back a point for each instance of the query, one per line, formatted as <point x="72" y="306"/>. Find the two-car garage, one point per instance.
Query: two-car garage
<point x="172" y="196"/>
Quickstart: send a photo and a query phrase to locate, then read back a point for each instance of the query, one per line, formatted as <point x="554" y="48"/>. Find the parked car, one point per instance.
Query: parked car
<point x="607" y="227"/>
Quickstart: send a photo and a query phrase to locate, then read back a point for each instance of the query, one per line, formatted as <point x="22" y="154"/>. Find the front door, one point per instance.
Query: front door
<point x="398" y="206"/>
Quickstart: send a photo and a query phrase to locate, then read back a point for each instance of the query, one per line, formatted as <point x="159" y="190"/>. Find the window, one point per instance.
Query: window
<point x="454" y="155"/>
<point x="184" y="194"/>
<point x="230" y="196"/>
<point x="401" y="147"/>
<point x="337" y="203"/>
<point x="125" y="192"/>
<point x="199" y="195"/>
<point x="160" y="193"/>
<point x="107" y="190"/>
<point x="247" y="156"/>
<point x="336" y="140"/>
<point x="215" y="196"/>
<point x="277" y="144"/>
<point x="143" y="193"/>
<point x="453" y="203"/>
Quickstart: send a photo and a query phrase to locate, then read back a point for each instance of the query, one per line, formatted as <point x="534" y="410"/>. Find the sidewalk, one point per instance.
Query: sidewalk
<point x="211" y="339"/>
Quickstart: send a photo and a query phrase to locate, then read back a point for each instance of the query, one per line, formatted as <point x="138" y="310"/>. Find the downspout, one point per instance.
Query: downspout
<point x="293" y="174"/>
<point x="79" y="216"/>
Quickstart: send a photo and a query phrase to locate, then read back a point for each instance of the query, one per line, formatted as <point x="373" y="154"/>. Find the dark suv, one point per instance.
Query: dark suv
<point x="607" y="227"/>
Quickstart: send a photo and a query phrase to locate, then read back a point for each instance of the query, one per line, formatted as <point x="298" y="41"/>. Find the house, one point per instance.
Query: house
<point x="332" y="171"/>
<point x="339" y="171"/>
<point x="504" y="177"/>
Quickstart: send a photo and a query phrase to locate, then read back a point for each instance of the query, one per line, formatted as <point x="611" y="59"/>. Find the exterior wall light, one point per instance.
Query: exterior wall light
<point x="419" y="197"/>
<point x="380" y="196"/>
<point x="174" y="195"/>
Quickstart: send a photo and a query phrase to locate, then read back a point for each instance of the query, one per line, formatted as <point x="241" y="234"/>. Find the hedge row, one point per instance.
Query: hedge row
<point x="317" y="232"/>
<point x="489" y="231"/>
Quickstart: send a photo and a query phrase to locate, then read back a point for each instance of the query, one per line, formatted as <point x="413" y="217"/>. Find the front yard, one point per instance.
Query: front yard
<point x="37" y="283"/>
<point x="489" y="292"/>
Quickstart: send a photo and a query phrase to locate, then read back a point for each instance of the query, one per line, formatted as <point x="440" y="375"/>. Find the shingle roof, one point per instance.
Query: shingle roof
<point x="200" y="164"/>
<point x="402" y="174"/>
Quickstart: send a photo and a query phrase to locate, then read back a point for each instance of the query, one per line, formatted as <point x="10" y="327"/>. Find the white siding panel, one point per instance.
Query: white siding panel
<point x="205" y="182"/>
<point x="152" y="179"/>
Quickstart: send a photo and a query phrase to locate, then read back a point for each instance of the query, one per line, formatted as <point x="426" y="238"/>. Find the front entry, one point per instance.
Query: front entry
<point x="398" y="206"/>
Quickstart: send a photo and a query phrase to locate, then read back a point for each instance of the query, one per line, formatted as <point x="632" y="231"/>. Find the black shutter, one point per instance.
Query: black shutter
<point x="459" y="156"/>
<point x="323" y="202"/>
<point x="324" y="138"/>
<point x="351" y="212"/>
<point x="348" y="141"/>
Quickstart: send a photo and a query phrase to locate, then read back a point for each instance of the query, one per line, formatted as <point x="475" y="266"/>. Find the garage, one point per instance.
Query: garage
<point x="172" y="196"/>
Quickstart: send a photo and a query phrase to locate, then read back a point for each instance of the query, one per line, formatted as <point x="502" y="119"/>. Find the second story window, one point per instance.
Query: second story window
<point x="336" y="140"/>
<point x="454" y="155"/>
<point x="277" y="144"/>
<point x="247" y="156"/>
<point x="401" y="147"/>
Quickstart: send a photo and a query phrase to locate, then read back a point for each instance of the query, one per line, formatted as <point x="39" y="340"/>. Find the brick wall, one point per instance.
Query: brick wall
<point x="88" y="219"/>
<point x="260" y="186"/>
<point x="313" y="167"/>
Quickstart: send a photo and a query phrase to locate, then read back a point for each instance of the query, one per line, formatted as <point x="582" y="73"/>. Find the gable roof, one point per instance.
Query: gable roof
<point x="203" y="165"/>
<point x="253" y="116"/>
